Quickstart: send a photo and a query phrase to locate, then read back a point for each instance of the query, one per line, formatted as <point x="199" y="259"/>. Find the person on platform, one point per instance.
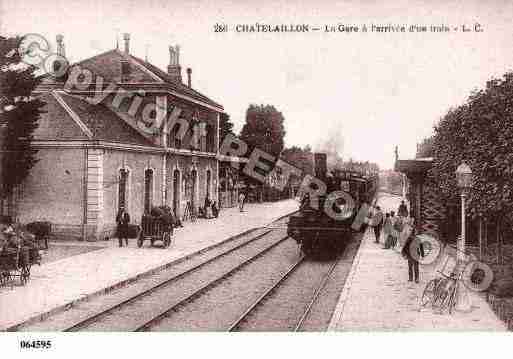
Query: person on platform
<point x="402" y="211"/>
<point x="377" y="222"/>
<point x="215" y="210"/>
<point x="11" y="239"/>
<point x="387" y="231"/>
<point x="122" y="220"/>
<point x="412" y="251"/>
<point x="368" y="218"/>
<point x="208" y="208"/>
<point x="242" y="198"/>
<point x="396" y="228"/>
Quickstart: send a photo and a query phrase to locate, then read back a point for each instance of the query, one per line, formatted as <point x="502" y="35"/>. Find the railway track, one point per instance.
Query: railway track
<point x="246" y="316"/>
<point x="78" y="316"/>
<point x="138" y="303"/>
<point x="262" y="268"/>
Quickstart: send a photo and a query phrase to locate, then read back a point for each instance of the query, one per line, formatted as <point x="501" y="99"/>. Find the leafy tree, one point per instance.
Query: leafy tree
<point x="225" y="127"/>
<point x="19" y="114"/>
<point x="264" y="129"/>
<point x="480" y="132"/>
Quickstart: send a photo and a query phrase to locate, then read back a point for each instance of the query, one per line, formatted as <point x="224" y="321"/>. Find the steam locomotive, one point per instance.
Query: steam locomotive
<point x="322" y="228"/>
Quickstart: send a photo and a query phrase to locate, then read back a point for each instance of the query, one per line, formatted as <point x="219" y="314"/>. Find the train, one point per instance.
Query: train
<point x="319" y="233"/>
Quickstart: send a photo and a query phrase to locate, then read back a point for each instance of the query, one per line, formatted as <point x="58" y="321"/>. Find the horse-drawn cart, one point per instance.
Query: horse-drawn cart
<point x="156" y="226"/>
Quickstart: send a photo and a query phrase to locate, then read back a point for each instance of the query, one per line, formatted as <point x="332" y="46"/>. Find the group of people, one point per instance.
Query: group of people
<point x="14" y="236"/>
<point x="210" y="209"/>
<point x="399" y="234"/>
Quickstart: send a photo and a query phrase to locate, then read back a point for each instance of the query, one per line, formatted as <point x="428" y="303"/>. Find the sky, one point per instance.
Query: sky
<point x="372" y="91"/>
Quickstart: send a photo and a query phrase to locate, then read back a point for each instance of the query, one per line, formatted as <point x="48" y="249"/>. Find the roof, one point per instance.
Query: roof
<point x="419" y="165"/>
<point x="179" y="87"/>
<point x="70" y="117"/>
<point x="107" y="65"/>
<point x="103" y="123"/>
<point x="56" y="123"/>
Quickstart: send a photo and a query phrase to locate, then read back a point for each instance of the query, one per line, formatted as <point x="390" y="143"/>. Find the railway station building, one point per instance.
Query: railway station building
<point x="96" y="157"/>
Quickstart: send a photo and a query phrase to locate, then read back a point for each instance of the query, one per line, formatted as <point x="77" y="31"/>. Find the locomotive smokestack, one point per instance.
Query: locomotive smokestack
<point x="321" y="165"/>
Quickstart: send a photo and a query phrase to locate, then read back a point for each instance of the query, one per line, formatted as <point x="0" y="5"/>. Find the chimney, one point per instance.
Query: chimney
<point x="126" y="39"/>
<point x="189" y="74"/>
<point x="174" y="69"/>
<point x="60" y="45"/>
<point x="125" y="70"/>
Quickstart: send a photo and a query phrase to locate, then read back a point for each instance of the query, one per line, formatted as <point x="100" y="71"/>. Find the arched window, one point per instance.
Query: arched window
<point x="173" y="139"/>
<point x="123" y="189"/>
<point x="148" y="190"/>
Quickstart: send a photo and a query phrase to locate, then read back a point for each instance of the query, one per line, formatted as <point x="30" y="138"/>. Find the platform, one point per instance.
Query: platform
<point x="378" y="297"/>
<point x="59" y="283"/>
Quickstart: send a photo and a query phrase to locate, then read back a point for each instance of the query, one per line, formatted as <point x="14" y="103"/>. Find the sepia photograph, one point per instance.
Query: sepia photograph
<point x="330" y="168"/>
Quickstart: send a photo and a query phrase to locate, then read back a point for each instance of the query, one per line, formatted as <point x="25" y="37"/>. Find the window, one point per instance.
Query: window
<point x="203" y="137"/>
<point x="210" y="138"/>
<point x="173" y="140"/>
<point x="123" y="189"/>
<point x="148" y="190"/>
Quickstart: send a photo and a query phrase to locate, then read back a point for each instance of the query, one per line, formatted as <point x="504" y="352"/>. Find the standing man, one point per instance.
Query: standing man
<point x="123" y="220"/>
<point x="412" y="251"/>
<point x="242" y="197"/>
<point x="377" y="222"/>
<point x="402" y="211"/>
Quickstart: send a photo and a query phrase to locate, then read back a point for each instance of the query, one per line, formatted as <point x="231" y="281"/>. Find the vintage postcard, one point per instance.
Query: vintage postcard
<point x="254" y="166"/>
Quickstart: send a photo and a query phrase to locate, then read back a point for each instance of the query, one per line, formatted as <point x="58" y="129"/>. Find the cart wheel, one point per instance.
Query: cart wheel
<point x="139" y="242"/>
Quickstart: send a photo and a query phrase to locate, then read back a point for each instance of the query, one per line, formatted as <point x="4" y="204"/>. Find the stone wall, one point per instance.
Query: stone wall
<point x="53" y="190"/>
<point x="136" y="163"/>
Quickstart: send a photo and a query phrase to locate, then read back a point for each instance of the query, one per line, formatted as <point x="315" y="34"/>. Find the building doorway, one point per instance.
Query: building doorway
<point x="194" y="180"/>
<point x="208" y="185"/>
<point x="176" y="193"/>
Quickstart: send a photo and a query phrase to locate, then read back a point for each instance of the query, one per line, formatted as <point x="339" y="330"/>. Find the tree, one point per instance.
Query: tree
<point x="264" y="129"/>
<point x="19" y="114"/>
<point x="480" y="132"/>
<point x="225" y="127"/>
<point x="300" y="158"/>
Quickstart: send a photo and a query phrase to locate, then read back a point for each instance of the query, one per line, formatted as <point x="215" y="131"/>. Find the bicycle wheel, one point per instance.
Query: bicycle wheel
<point x="445" y="305"/>
<point x="452" y="299"/>
<point x="439" y="295"/>
<point x="429" y="293"/>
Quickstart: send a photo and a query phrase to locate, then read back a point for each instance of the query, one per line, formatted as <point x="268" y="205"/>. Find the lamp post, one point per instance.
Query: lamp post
<point x="464" y="180"/>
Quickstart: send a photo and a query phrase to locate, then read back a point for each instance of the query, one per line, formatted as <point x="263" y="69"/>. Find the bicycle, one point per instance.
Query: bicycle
<point x="441" y="292"/>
